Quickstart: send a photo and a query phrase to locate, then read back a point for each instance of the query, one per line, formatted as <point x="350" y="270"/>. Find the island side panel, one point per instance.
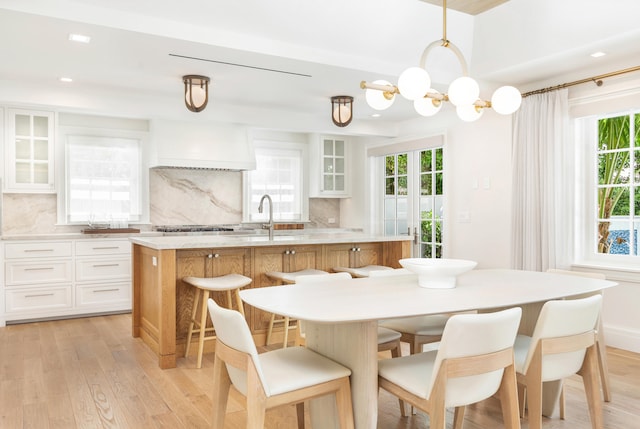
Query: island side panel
<point x="393" y="251"/>
<point x="154" y="319"/>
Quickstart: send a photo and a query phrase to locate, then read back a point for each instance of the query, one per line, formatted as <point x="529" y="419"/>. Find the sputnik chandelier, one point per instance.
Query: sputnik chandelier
<point x="415" y="84"/>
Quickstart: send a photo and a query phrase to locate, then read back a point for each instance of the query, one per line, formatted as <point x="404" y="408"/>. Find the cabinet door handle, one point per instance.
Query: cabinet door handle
<point x="293" y="252"/>
<point x="37" y="250"/>
<point x="38" y="295"/>
<point x="357" y="249"/>
<point x="287" y="252"/>
<point x="105" y="265"/>
<point x="106" y="290"/>
<point x="39" y="269"/>
<point x="105" y="248"/>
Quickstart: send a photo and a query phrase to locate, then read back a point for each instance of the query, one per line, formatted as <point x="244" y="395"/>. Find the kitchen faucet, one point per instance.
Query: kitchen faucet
<point x="269" y="225"/>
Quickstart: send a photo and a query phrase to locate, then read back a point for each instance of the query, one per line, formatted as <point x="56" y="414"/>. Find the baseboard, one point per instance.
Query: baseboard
<point x="622" y="338"/>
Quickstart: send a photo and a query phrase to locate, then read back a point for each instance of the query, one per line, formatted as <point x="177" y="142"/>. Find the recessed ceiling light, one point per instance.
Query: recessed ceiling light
<point x="79" y="38"/>
<point x="598" y="54"/>
<point x="66" y="79"/>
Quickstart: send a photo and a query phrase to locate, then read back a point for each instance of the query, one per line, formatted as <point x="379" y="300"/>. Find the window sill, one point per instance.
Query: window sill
<point x="617" y="272"/>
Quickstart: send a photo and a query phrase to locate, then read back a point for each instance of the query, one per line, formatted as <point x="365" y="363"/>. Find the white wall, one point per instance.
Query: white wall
<point x="477" y="183"/>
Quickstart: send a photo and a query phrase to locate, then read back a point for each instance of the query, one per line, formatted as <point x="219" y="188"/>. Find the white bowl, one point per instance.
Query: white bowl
<point x="437" y="273"/>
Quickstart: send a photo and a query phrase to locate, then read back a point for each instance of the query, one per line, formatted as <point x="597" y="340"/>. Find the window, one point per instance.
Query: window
<point x="618" y="186"/>
<point x="278" y="173"/>
<point x="102" y="179"/>
<point x="414" y="197"/>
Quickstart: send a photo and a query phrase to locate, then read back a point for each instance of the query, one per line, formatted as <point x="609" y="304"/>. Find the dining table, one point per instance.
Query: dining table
<point x="341" y="319"/>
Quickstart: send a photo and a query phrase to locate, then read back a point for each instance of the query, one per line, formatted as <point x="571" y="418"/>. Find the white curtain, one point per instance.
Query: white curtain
<point x="542" y="183"/>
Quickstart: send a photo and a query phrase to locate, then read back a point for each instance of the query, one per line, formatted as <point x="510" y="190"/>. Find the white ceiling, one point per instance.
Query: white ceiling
<point x="276" y="59"/>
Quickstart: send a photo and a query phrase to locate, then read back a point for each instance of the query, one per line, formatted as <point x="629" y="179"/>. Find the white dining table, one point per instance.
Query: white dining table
<point x="341" y="318"/>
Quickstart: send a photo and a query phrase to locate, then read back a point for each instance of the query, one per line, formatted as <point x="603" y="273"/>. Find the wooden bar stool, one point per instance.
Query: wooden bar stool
<point x="202" y="286"/>
<point x="286" y="278"/>
<point x="361" y="271"/>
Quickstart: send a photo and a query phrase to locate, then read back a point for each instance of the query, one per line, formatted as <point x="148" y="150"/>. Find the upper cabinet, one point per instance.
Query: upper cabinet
<point x="329" y="167"/>
<point x="29" y="151"/>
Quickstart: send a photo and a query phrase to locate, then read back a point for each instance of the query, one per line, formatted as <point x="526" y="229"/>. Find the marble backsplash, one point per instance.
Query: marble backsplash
<point x="176" y="196"/>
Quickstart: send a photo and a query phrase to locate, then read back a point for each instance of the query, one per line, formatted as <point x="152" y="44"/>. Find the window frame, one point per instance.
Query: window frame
<point x="586" y="184"/>
<point x="249" y="207"/>
<point x="62" y="174"/>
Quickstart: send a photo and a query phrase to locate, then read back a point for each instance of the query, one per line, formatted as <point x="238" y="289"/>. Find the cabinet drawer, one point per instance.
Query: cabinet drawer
<point x="30" y="299"/>
<point x="23" y="273"/>
<point x="37" y="249"/>
<point x="103" y="247"/>
<point x="104" y="294"/>
<point x="103" y="269"/>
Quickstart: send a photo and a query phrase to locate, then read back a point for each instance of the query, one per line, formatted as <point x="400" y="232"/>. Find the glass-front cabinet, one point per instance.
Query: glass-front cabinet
<point x="30" y="151"/>
<point x="331" y="175"/>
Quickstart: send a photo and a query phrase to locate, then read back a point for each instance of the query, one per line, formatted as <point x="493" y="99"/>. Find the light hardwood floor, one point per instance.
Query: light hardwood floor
<point x="90" y="373"/>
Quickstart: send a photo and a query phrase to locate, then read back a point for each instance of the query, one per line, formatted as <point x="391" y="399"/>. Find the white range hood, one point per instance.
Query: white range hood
<point x="205" y="145"/>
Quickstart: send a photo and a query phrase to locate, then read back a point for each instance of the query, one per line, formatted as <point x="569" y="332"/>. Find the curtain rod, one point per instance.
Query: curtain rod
<point x="596" y="79"/>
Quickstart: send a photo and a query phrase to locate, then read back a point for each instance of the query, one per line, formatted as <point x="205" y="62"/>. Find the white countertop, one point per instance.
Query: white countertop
<point x="209" y="241"/>
<point x="76" y="235"/>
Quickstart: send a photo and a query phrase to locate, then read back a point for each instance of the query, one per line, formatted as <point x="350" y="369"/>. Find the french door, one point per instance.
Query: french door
<point x="414" y="198"/>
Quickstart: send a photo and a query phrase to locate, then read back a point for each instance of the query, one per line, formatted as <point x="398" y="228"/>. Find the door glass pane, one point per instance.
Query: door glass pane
<point x="425" y="161"/>
<point x="390" y="165"/>
<point x="402" y="211"/>
<point x="339" y="165"/>
<point x="23" y="125"/>
<point x="389" y="227"/>
<point x="389" y="208"/>
<point x="402" y="163"/>
<point x="439" y="162"/>
<point x="439" y="207"/>
<point x="425" y="184"/>
<point x="339" y="148"/>
<point x="390" y="186"/>
<point x="339" y="182"/>
<point x="439" y="184"/>
<point x="40" y="126"/>
<point x="402" y="185"/>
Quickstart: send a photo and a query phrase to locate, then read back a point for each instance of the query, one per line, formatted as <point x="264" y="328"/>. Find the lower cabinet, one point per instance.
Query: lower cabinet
<point x="60" y="278"/>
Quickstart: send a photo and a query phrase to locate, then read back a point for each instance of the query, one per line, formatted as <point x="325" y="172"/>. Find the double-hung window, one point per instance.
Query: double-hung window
<point x="610" y="185"/>
<point x="103" y="179"/>
<point x="279" y="174"/>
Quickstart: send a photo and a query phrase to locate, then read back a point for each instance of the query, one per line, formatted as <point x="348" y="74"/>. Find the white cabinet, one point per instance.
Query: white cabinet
<point x="329" y="167"/>
<point x="29" y="151"/>
<point x="103" y="275"/>
<point x="62" y="278"/>
<point x="38" y="279"/>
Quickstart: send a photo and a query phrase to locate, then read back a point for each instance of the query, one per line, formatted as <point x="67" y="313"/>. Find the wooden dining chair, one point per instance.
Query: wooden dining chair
<point x="474" y="362"/>
<point x="284" y="376"/>
<point x="418" y="330"/>
<point x="601" y="346"/>
<point x="562" y="344"/>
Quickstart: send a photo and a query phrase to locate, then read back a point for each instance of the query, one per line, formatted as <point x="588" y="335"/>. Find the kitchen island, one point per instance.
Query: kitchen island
<point x="162" y="302"/>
